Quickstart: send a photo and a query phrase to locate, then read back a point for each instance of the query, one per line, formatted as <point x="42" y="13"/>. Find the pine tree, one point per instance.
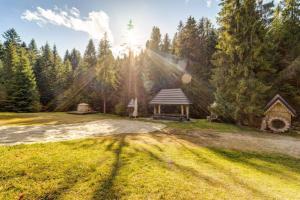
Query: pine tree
<point x="67" y="56"/>
<point x="155" y="40"/>
<point x="89" y="57"/>
<point x="2" y="50"/>
<point x="241" y="64"/>
<point x="106" y="72"/>
<point x="2" y="87"/>
<point x="75" y="59"/>
<point x="165" y="47"/>
<point x="33" y="52"/>
<point x="23" y="92"/>
<point x="46" y="75"/>
<point x="11" y="61"/>
<point x="11" y="36"/>
<point x="174" y="45"/>
<point x="285" y="35"/>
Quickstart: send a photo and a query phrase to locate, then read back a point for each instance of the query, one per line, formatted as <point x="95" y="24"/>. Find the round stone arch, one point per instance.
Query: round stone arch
<point x="278" y="124"/>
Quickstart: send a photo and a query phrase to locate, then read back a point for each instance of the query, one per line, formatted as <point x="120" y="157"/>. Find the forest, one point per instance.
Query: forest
<point x="235" y="67"/>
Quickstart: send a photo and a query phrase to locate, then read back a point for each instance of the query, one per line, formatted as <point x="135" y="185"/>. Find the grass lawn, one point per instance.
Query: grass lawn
<point x="44" y="118"/>
<point x="142" y="166"/>
<point x="153" y="166"/>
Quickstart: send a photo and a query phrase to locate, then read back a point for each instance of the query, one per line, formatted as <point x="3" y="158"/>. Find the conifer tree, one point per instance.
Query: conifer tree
<point x="75" y="59"/>
<point x="90" y="57"/>
<point x="46" y="76"/>
<point x="11" y="36"/>
<point x="23" y="96"/>
<point x="155" y="39"/>
<point x="1" y="51"/>
<point x="106" y="71"/>
<point x="241" y="64"/>
<point x="165" y="47"/>
<point x="32" y="52"/>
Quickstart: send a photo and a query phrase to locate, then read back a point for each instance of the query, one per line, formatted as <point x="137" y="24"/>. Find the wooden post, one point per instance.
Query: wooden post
<point x="158" y="109"/>
<point x="187" y="112"/>
<point x="154" y="109"/>
<point x="182" y="110"/>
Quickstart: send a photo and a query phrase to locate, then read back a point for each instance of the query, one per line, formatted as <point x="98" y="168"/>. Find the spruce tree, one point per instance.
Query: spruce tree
<point x="90" y="57"/>
<point x="23" y="92"/>
<point x="155" y="40"/>
<point x="32" y="52"/>
<point x="285" y="35"/>
<point x="11" y="36"/>
<point x="106" y="71"/>
<point x="165" y="47"/>
<point x="2" y="50"/>
<point x="241" y="64"/>
<point x="46" y="76"/>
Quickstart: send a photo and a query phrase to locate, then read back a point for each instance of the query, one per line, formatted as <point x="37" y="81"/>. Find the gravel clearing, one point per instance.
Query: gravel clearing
<point x="12" y="135"/>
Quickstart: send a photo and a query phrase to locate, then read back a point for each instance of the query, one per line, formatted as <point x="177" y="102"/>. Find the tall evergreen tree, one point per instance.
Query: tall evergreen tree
<point x="285" y="35"/>
<point x="241" y="64"/>
<point x="23" y="96"/>
<point x="90" y="57"/>
<point x="155" y="39"/>
<point x="32" y="52"/>
<point x="45" y="73"/>
<point x="11" y="36"/>
<point x="165" y="47"/>
<point x="75" y="59"/>
<point x="106" y="71"/>
<point x="67" y="56"/>
<point x="1" y="51"/>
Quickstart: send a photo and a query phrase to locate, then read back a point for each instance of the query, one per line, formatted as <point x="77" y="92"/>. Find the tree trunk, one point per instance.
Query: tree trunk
<point x="104" y="104"/>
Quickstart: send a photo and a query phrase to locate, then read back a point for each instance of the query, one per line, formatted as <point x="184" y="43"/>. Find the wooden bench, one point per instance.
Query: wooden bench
<point x="174" y="117"/>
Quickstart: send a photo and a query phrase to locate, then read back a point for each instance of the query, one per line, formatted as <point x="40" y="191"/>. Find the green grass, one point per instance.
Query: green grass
<point x="144" y="166"/>
<point x="44" y="118"/>
<point x="204" y="124"/>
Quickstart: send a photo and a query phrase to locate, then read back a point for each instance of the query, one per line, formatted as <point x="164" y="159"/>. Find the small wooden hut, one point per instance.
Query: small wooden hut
<point x="171" y="97"/>
<point x="83" y="108"/>
<point x="278" y="115"/>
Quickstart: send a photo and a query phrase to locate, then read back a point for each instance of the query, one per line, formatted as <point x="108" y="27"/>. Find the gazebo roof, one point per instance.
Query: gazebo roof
<point x="277" y="98"/>
<point x="171" y="97"/>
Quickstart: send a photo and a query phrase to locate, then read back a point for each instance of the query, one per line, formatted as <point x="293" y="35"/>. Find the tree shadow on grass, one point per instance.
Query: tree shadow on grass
<point x="244" y="157"/>
<point x="106" y="190"/>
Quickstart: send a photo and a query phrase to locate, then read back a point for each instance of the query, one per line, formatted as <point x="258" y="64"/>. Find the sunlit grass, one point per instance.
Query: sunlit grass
<point x="144" y="166"/>
<point x="204" y="124"/>
<point x="44" y="118"/>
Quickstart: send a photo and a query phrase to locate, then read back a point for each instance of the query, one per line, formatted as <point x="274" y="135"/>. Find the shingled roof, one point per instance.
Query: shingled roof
<point x="171" y="97"/>
<point x="284" y="102"/>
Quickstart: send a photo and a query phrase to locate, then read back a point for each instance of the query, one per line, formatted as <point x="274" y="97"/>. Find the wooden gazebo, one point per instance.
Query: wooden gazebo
<point x="171" y="97"/>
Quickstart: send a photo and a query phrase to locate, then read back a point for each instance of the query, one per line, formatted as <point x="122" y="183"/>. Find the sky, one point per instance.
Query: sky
<point x="71" y="23"/>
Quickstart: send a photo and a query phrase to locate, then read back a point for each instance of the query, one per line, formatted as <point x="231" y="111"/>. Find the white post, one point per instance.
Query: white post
<point x="158" y="109"/>
<point x="182" y="110"/>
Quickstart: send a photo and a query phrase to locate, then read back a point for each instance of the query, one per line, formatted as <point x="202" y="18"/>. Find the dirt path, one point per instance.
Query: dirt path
<point x="252" y="141"/>
<point x="11" y="135"/>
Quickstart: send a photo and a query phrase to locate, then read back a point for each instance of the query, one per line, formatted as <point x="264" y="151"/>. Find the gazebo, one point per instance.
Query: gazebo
<point x="171" y="97"/>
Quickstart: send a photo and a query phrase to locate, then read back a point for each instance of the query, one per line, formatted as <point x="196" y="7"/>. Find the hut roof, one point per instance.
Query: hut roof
<point x="277" y="98"/>
<point x="171" y="97"/>
<point x="131" y="103"/>
<point x="83" y="104"/>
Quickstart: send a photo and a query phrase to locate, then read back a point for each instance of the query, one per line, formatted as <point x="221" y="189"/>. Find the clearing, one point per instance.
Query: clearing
<point x="196" y="160"/>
